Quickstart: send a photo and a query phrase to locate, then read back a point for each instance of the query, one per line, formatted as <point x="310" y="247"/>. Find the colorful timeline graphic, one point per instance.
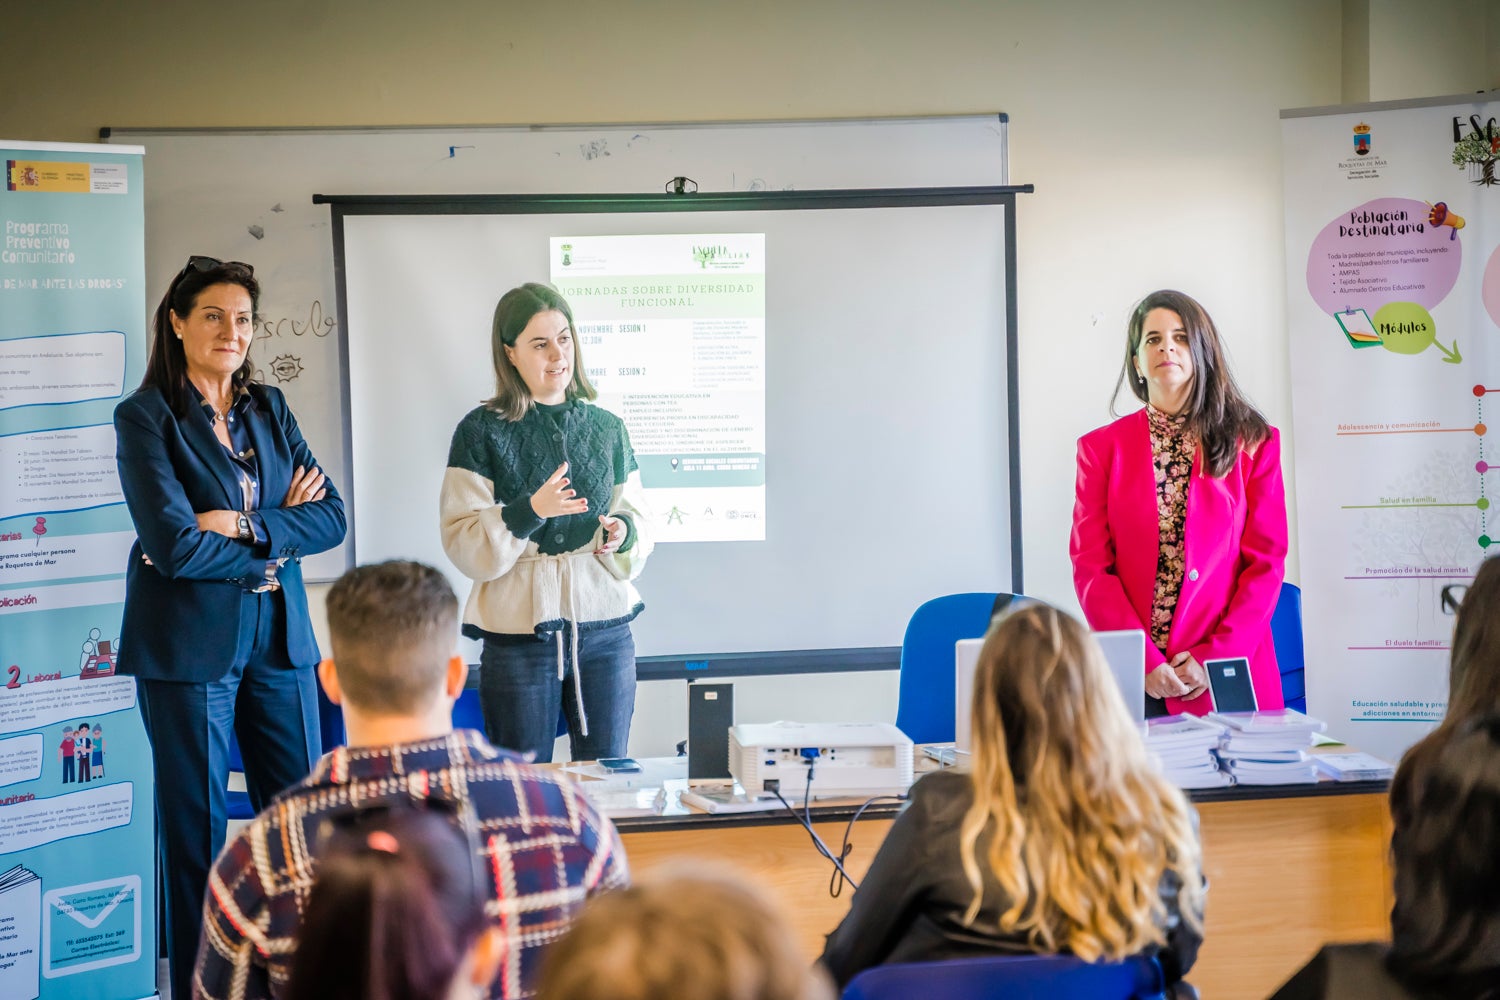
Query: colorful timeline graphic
<point x="1405" y="255"/>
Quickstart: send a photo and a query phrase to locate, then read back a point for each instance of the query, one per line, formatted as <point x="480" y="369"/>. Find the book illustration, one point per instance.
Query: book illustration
<point x="20" y="934"/>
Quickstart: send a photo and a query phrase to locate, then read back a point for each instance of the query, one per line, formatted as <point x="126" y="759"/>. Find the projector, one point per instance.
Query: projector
<point x="848" y="759"/>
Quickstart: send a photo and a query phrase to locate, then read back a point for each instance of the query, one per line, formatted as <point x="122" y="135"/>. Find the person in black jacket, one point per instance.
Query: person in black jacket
<point x="1445" y="927"/>
<point x="1062" y="838"/>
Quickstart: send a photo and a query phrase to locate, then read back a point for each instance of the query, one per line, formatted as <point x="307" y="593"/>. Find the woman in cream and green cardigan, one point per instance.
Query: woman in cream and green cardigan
<point x="542" y="508"/>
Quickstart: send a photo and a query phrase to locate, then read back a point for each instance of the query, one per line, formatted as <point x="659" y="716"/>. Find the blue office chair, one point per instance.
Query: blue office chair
<point x="1012" y="977"/>
<point x="925" y="709"/>
<point x="467" y="713"/>
<point x="239" y="800"/>
<point x="1286" y="635"/>
<point x="331" y="730"/>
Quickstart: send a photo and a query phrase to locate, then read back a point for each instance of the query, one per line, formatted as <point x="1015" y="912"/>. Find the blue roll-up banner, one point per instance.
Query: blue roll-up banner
<point x="77" y="827"/>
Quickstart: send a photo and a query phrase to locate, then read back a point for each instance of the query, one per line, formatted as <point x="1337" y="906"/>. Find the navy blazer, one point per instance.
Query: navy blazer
<point x="182" y="611"/>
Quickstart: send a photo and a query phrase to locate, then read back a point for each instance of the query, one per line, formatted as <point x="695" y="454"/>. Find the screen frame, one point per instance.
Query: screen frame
<point x="676" y="667"/>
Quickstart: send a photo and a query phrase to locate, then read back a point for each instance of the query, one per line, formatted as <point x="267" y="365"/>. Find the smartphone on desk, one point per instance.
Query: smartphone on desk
<point x="620" y="765"/>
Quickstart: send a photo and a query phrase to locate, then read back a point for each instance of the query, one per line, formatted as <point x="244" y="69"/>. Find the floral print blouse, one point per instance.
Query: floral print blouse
<point x="1172" y="449"/>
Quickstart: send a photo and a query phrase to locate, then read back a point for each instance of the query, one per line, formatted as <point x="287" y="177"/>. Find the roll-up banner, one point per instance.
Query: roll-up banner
<point x="1393" y="299"/>
<point x="77" y="858"/>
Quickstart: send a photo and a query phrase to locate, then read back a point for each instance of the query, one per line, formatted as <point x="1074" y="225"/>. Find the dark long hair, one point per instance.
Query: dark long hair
<point x="166" y="366"/>
<point x="1473" y="689"/>
<point x="1474" y="669"/>
<point x="1447" y="869"/>
<point x="399" y="900"/>
<point x="515" y="309"/>
<point x="1218" y="415"/>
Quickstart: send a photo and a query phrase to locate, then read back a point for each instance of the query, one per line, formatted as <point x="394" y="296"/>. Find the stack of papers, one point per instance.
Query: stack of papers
<point x="1184" y="745"/>
<point x="1355" y="767"/>
<point x="1268" y="748"/>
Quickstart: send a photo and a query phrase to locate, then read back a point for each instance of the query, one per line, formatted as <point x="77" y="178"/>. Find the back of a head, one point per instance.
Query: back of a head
<point x="1083" y="827"/>
<point x="1474" y="675"/>
<point x="398" y="901"/>
<point x="394" y="626"/>
<point x="691" y="934"/>
<point x="1046" y="706"/>
<point x="1446" y="922"/>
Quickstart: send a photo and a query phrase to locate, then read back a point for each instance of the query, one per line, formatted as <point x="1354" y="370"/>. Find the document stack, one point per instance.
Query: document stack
<point x="1355" y="766"/>
<point x="1268" y="748"/>
<point x="1185" y="745"/>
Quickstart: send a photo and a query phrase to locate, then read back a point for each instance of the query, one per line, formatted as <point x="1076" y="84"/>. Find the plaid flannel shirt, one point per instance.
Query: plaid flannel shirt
<point x="545" y="848"/>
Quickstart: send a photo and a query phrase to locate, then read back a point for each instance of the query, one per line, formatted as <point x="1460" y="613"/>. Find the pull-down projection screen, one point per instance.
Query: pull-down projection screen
<point x="820" y="388"/>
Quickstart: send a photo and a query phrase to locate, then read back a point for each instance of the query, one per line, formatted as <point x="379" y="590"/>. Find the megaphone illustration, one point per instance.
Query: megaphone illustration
<point x="1440" y="216"/>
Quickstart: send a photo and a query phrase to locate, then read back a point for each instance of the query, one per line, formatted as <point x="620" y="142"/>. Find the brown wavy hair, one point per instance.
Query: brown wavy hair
<point x="1084" y="828"/>
<point x="1219" y="416"/>
<point x="515" y="309"/>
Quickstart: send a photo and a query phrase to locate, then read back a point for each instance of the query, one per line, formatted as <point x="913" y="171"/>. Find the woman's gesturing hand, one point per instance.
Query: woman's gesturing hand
<point x="554" y="499"/>
<point x="307" y="484"/>
<point x="614" y="535"/>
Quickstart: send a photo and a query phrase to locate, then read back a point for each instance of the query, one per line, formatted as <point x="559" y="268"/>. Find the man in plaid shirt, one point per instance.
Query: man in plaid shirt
<point x="543" y="846"/>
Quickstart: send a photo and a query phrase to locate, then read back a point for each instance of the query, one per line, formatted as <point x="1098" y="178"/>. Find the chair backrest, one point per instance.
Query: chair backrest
<point x="924" y="710"/>
<point x="1011" y="977"/>
<point x="1286" y="635"/>
<point x="466" y="711"/>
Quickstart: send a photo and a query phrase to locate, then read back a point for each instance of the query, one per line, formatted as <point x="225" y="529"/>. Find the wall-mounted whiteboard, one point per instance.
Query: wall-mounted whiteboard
<point x="247" y="195"/>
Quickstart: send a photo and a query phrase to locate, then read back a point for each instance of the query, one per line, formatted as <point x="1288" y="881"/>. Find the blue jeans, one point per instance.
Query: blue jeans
<point x="521" y="694"/>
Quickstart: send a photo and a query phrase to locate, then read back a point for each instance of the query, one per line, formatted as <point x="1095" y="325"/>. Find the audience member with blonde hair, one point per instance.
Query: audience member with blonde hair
<point x="691" y="933"/>
<point x="1063" y="838"/>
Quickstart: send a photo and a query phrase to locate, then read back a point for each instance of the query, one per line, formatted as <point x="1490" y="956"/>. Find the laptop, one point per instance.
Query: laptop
<point x="1124" y="651"/>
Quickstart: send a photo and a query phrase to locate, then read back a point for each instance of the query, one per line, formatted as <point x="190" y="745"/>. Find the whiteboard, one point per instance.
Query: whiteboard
<point x="247" y="195"/>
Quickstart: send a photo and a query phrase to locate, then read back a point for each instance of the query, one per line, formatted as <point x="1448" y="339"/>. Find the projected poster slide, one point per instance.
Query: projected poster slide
<point x="672" y="330"/>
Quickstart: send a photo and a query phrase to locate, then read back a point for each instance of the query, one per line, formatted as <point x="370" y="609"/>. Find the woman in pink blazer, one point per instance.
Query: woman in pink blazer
<point x="1179" y="520"/>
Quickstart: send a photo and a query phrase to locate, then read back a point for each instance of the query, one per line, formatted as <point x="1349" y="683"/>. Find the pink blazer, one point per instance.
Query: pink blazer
<point x="1234" y="552"/>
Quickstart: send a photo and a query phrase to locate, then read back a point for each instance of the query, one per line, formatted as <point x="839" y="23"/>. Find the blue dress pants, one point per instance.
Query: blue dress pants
<point x="272" y="707"/>
<point x="521" y="694"/>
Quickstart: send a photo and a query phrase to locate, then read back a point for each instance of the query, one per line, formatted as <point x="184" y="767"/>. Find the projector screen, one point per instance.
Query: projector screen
<point x="819" y="388"/>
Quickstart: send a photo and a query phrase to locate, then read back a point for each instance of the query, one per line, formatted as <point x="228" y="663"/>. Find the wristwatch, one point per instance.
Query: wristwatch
<point x="246" y="535"/>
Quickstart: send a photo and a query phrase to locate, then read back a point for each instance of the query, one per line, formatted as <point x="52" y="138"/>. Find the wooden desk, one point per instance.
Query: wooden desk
<point x="1288" y="869"/>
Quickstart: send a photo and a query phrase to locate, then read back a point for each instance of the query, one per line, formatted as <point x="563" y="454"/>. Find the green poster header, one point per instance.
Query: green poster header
<point x="667" y="296"/>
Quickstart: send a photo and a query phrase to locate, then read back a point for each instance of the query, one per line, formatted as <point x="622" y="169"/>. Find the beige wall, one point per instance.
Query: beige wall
<point x="1431" y="49"/>
<point x="1150" y="130"/>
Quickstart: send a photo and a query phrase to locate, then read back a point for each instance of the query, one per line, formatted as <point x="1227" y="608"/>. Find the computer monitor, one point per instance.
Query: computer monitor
<point x="1124" y="651"/>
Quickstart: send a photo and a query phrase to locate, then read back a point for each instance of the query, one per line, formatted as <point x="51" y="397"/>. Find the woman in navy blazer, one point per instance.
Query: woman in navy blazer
<point x="226" y="498"/>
